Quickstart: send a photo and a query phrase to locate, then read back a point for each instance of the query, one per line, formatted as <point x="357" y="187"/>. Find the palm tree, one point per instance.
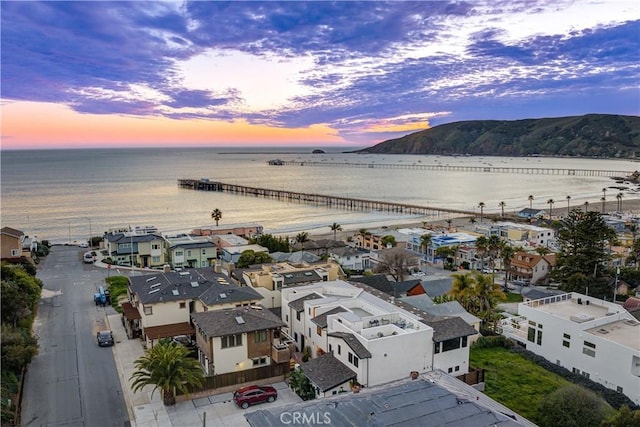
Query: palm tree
<point x="604" y="192"/>
<point x="482" y="246"/>
<point x="472" y="220"/>
<point x="494" y="243"/>
<point x="568" y="204"/>
<point x="168" y="367"/>
<point x="619" y="197"/>
<point x="335" y="227"/>
<point x="363" y="233"/>
<point x="216" y="215"/>
<point x="542" y="250"/>
<point x="487" y="294"/>
<point x="449" y="221"/>
<point x="462" y="289"/>
<point x="586" y="206"/>
<point x="550" y="202"/>
<point x="603" y="200"/>
<point x="302" y="238"/>
<point x="425" y="240"/>
<point x="481" y="206"/>
<point x="501" y="205"/>
<point x="530" y="205"/>
<point x="507" y="252"/>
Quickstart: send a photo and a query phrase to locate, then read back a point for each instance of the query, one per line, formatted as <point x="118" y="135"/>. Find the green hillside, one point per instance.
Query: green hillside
<point x="591" y="135"/>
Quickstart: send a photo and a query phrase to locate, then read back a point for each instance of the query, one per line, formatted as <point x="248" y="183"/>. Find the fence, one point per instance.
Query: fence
<point x="240" y="377"/>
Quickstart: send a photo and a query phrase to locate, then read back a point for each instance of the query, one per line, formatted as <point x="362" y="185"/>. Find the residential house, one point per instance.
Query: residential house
<point x="445" y="309"/>
<point x="297" y="257"/>
<point x="388" y="256"/>
<point x="363" y="328"/>
<point x="395" y="289"/>
<point x="142" y="250"/>
<point x="457" y="239"/>
<point x="531" y="267"/>
<point x="431" y="400"/>
<point x="14" y="244"/>
<point x="268" y="279"/>
<point x="235" y="340"/>
<point x="227" y="240"/>
<point x="248" y="231"/>
<point x="531" y="213"/>
<point x="372" y="239"/>
<point x="589" y="336"/>
<point x="352" y="259"/>
<point x="319" y="247"/>
<point x="160" y="305"/>
<point x="328" y="376"/>
<point x="231" y="254"/>
<point x="191" y="252"/>
<point x="525" y="234"/>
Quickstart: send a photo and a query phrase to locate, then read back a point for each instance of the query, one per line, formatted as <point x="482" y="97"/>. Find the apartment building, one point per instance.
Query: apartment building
<point x="191" y="252"/>
<point x="142" y="250"/>
<point x="597" y="339"/>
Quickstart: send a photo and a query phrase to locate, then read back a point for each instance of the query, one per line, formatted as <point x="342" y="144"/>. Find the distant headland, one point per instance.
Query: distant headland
<point x="591" y="135"/>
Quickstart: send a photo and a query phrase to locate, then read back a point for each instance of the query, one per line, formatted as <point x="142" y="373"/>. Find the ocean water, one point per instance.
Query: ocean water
<point x="67" y="195"/>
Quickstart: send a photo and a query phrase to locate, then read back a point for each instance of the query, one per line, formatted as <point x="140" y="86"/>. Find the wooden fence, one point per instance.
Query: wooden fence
<point x="240" y="377"/>
<point x="475" y="376"/>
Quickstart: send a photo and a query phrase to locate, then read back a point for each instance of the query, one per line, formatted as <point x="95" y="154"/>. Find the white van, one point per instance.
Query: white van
<point x="88" y="258"/>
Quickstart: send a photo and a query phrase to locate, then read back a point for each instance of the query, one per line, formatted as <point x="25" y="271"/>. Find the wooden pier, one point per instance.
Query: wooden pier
<point x="332" y="202"/>
<point x="458" y="168"/>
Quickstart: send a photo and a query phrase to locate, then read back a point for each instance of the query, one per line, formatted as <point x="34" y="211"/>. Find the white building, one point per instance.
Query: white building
<point x="353" y="259"/>
<point x="378" y="340"/>
<point x="597" y="339"/>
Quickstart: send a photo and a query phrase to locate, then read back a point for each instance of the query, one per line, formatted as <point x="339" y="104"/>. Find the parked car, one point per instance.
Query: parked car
<point x="105" y="338"/>
<point x="250" y="395"/>
<point x="88" y="258"/>
<point x="184" y="340"/>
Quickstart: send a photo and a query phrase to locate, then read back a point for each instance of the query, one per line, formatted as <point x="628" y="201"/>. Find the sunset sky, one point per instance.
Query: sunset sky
<point x="341" y="74"/>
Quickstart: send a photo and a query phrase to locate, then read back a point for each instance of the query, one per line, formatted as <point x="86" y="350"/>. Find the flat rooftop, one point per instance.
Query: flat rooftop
<point x="570" y="307"/>
<point x="625" y="332"/>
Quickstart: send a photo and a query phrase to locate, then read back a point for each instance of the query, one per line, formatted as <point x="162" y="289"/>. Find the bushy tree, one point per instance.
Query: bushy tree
<point x="301" y="385"/>
<point x="396" y="262"/>
<point x="274" y="244"/>
<point x="18" y="348"/>
<point x="388" y="240"/>
<point x="572" y="406"/>
<point x="624" y="417"/>
<point x="478" y="294"/>
<point x="583" y="239"/>
<point x="250" y="257"/>
<point x="20" y="293"/>
<point x="167" y="367"/>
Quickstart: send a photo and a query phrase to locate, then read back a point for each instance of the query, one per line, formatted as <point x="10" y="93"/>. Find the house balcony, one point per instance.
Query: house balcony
<point x="282" y="350"/>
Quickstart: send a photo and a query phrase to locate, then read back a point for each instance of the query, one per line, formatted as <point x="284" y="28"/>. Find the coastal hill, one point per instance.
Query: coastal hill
<point x="591" y="135"/>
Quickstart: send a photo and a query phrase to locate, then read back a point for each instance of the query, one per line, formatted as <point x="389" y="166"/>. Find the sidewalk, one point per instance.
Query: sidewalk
<point x="144" y="410"/>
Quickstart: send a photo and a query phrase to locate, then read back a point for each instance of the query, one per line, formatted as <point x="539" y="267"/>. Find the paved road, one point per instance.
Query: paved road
<point x="72" y="381"/>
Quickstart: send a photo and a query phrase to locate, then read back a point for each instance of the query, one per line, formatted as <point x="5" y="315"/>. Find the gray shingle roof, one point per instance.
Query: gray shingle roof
<point x="298" y="305"/>
<point x="327" y="372"/>
<point x="321" y="320"/>
<point x="353" y="343"/>
<point x="449" y="328"/>
<point x="409" y="404"/>
<point x="217" y="323"/>
<point x="437" y="287"/>
<point x="199" y="283"/>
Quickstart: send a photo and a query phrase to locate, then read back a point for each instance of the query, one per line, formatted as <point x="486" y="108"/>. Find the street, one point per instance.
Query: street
<point x="72" y="381"/>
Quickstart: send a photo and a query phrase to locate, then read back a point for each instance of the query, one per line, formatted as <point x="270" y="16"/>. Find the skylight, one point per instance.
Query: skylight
<point x="240" y="320"/>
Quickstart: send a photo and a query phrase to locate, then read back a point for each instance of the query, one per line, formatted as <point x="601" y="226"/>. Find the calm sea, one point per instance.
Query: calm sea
<point x="66" y="195"/>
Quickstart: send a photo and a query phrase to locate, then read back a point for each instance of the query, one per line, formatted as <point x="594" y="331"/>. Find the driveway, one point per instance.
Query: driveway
<point x="218" y="410"/>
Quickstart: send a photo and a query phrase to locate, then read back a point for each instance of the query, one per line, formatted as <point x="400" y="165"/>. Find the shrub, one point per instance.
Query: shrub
<point x="492" y="341"/>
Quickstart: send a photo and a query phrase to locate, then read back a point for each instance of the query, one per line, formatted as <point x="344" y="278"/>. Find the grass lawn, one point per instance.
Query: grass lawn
<point x="514" y="381"/>
<point x="117" y="287"/>
<point x="513" y="297"/>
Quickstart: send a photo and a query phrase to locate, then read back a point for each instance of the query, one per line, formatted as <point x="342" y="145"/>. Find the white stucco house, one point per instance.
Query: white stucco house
<point x="595" y="338"/>
<point x="373" y="337"/>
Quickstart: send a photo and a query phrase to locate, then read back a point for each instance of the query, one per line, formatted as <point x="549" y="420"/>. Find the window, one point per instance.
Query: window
<point x="339" y="349"/>
<point x="356" y="361"/>
<point x="231" y="341"/>
<point x="319" y="331"/>
<point x="286" y="317"/>
<point x="450" y="370"/>
<point x="457" y="368"/>
<point x="298" y="315"/>
<point x="309" y="331"/>
<point x="350" y="357"/>
<point x="188" y="252"/>
<point x="330" y="348"/>
<point x="566" y="340"/>
<point x="619" y="389"/>
<point x="464" y="342"/>
<point x="155" y="259"/>
<point x="531" y="334"/>
<point x="436" y="347"/>
<point x="589" y="349"/>
<point x="539" y="337"/>
<point x="183" y="305"/>
<point x="155" y="246"/>
<point x="148" y="310"/>
<point x="258" y="361"/>
<point x="452" y="344"/>
<point x="179" y="253"/>
<point x="260" y="336"/>
<point x="15" y="252"/>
